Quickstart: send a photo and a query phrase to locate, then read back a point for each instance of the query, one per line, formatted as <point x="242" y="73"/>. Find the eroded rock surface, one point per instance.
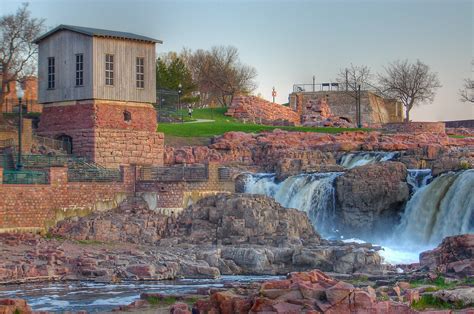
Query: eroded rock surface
<point x="371" y="197"/>
<point x="222" y="234"/>
<point x="454" y="256"/>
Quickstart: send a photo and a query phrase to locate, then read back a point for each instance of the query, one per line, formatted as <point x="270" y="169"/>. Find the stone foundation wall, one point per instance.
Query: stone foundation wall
<point x="253" y="109"/>
<point x="170" y="197"/>
<point x="35" y="207"/>
<point x="375" y="110"/>
<point x="416" y="127"/>
<point x="113" y="147"/>
<point x="100" y="131"/>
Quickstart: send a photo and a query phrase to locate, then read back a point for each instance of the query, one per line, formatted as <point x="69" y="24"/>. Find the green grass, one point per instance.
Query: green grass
<point x="161" y="301"/>
<point x="223" y="124"/>
<point x="440" y="283"/>
<point x="428" y="301"/>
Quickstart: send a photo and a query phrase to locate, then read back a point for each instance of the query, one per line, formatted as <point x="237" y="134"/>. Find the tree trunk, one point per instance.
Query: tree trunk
<point x="407" y="115"/>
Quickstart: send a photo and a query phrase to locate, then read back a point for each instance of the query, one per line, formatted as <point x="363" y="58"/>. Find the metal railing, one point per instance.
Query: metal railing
<point x="94" y="175"/>
<point x="52" y="143"/>
<point x="189" y="173"/>
<point x="224" y="174"/>
<point x="80" y="169"/>
<point x="29" y="105"/>
<point x="25" y="176"/>
<point x="336" y="86"/>
<point x="6" y="143"/>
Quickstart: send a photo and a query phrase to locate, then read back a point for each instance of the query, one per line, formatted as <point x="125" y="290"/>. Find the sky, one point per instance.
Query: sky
<point x="290" y="41"/>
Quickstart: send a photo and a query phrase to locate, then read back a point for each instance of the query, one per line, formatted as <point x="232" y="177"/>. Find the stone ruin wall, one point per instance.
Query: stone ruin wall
<point x="375" y="110"/>
<point x="254" y="109"/>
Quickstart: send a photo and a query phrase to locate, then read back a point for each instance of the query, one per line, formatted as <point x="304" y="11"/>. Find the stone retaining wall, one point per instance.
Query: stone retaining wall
<point x="170" y="197"/>
<point x="416" y="127"/>
<point x="35" y="207"/>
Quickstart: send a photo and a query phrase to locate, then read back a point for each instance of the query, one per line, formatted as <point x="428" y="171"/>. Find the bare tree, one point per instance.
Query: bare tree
<point x="18" y="53"/>
<point x="353" y="76"/>
<point x="467" y="93"/>
<point x="220" y="75"/>
<point x="412" y="83"/>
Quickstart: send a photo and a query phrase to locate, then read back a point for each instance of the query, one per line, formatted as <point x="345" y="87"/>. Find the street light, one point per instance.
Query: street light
<point x="19" y="93"/>
<point x="180" y="90"/>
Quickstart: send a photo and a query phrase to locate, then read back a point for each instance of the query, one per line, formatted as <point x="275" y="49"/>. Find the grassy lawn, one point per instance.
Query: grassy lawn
<point x="224" y="124"/>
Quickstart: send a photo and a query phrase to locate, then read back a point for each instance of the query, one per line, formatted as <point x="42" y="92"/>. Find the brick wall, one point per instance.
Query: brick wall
<point x="27" y="135"/>
<point x="174" y="196"/>
<point x="99" y="131"/>
<point x="37" y="206"/>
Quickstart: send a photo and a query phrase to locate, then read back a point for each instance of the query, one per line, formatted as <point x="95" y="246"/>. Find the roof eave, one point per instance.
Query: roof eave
<point x="64" y="27"/>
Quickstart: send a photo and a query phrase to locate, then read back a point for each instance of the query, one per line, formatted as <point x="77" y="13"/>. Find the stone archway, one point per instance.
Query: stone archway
<point x="66" y="142"/>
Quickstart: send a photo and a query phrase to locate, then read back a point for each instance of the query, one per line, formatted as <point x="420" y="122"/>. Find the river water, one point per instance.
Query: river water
<point x="100" y="297"/>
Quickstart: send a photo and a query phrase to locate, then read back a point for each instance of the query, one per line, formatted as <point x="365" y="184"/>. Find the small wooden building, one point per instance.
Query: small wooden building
<point x="98" y="87"/>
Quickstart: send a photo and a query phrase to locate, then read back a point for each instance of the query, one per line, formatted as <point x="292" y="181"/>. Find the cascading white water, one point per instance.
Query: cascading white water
<point x="313" y="193"/>
<point x="442" y="208"/>
<point x="352" y="160"/>
<point x="438" y="208"/>
<point x="418" y="178"/>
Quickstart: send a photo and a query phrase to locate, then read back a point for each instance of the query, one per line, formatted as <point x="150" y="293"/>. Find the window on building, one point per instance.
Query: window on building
<point x="127" y="116"/>
<point x="51" y="73"/>
<point x="140" y="68"/>
<point x="79" y="69"/>
<point x="109" y="69"/>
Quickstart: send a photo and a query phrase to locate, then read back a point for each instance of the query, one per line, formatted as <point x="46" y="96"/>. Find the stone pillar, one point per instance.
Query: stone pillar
<point x="27" y="135"/>
<point x="58" y="177"/>
<point x="129" y="175"/>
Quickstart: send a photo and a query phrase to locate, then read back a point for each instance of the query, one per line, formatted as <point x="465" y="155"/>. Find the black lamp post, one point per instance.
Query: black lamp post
<point x="19" y="94"/>
<point x="180" y="90"/>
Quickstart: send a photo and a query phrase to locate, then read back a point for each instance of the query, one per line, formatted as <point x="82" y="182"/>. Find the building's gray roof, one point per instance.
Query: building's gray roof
<point x="97" y="32"/>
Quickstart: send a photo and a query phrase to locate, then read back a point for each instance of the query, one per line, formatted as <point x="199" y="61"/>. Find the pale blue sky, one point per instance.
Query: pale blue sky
<point x="290" y="41"/>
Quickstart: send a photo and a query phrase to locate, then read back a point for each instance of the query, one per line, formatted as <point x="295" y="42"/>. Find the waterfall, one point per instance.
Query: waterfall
<point x="312" y="193"/>
<point x="442" y="208"/>
<point x="358" y="159"/>
<point x="418" y="178"/>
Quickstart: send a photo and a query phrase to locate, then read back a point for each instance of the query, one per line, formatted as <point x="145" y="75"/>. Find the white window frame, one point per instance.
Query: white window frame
<point x="51" y="72"/>
<point x="79" y="69"/>
<point x="109" y="69"/>
<point x="140" y="72"/>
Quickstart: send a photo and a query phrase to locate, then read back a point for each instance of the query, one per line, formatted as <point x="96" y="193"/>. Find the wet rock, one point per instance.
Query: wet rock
<point x="305" y="292"/>
<point x="11" y="306"/>
<point x="371" y="198"/>
<point x="453" y="256"/>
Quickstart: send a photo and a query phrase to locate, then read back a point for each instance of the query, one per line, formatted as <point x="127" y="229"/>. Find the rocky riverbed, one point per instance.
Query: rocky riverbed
<point x="223" y="234"/>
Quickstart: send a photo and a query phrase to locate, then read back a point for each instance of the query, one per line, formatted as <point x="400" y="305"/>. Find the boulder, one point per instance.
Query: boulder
<point x="464" y="296"/>
<point x="302" y="292"/>
<point x="370" y="198"/>
<point x="12" y="306"/>
<point x="453" y="256"/>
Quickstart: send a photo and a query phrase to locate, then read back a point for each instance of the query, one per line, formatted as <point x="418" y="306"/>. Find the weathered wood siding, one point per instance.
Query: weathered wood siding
<point x="64" y="46"/>
<point x="125" y="53"/>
